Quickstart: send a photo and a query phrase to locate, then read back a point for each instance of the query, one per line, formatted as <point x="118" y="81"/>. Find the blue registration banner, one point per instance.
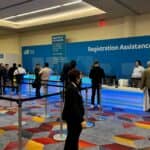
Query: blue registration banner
<point x="116" y="56"/>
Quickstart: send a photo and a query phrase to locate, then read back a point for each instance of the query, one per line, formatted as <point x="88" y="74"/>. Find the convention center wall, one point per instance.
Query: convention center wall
<point x="85" y="43"/>
<point x="79" y="38"/>
<point x="117" y="56"/>
<point x="10" y="49"/>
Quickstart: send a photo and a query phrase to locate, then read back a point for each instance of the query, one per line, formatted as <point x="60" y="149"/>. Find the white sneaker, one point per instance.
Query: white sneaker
<point x="99" y="106"/>
<point x="92" y="106"/>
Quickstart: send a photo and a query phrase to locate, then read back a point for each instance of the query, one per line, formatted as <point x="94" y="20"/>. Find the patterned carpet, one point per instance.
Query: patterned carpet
<point x="114" y="128"/>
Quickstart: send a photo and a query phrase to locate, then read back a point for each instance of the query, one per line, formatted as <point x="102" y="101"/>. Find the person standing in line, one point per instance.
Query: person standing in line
<point x="45" y="74"/>
<point x="11" y="75"/>
<point x="66" y="68"/>
<point x="64" y="74"/>
<point x="3" y="76"/>
<point x="137" y="74"/>
<point x="96" y="75"/>
<point x="145" y="85"/>
<point x="37" y="79"/>
<point x="19" y="73"/>
<point x="7" y="69"/>
<point x="73" y="111"/>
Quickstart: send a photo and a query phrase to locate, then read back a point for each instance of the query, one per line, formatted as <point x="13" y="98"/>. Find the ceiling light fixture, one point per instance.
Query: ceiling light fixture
<point x="43" y="10"/>
<point x="72" y="3"/>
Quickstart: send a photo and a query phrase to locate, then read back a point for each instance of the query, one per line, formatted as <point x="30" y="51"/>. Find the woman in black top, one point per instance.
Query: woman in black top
<point x="73" y="110"/>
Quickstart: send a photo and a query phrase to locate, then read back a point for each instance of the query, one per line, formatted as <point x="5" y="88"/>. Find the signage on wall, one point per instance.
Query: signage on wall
<point x="118" y="47"/>
<point x="116" y="56"/>
<point x="58" y="45"/>
<point x="58" y="51"/>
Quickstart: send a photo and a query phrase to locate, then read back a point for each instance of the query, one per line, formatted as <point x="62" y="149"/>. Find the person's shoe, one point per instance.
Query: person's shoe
<point x="99" y="107"/>
<point x="92" y="106"/>
<point x="148" y="110"/>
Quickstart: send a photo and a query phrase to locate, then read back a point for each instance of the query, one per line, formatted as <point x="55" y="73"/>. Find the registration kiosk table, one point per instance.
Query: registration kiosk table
<point x="125" y="98"/>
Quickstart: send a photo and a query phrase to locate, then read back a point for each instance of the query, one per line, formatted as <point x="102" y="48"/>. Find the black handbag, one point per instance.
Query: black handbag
<point x="34" y="84"/>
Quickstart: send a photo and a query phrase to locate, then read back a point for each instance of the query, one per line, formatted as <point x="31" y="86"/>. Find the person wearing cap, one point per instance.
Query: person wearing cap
<point x="145" y="85"/>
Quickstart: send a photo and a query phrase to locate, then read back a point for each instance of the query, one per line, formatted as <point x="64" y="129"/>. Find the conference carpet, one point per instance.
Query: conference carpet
<point x="114" y="128"/>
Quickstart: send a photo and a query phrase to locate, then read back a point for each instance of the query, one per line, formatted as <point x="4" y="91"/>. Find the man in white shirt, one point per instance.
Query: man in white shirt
<point x="45" y="73"/>
<point x="19" y="73"/>
<point x="137" y="73"/>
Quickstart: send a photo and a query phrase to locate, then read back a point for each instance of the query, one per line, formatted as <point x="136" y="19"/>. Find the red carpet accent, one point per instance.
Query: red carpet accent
<point x="115" y="146"/>
<point x="9" y="128"/>
<point x="85" y="144"/>
<point x="34" y="107"/>
<point x="131" y="136"/>
<point x="144" y="122"/>
<point x="45" y="140"/>
<point x="45" y="127"/>
<point x="128" y="117"/>
<point x="13" y="145"/>
<point x="128" y="125"/>
<point x="54" y="110"/>
<point x="10" y="113"/>
<point x="33" y="130"/>
<point x="26" y="118"/>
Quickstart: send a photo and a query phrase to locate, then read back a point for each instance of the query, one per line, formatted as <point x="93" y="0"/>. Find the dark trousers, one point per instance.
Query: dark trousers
<point x="74" y="130"/>
<point x="2" y="86"/>
<point x="19" y="84"/>
<point x="94" y="89"/>
<point x="37" y="91"/>
<point x="149" y="94"/>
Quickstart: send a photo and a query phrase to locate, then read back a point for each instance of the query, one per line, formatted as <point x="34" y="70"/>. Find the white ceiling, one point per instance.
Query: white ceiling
<point x="79" y="11"/>
<point x="21" y="14"/>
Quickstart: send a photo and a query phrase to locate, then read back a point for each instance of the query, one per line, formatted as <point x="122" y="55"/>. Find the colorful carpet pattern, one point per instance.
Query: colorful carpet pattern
<point x="114" y="129"/>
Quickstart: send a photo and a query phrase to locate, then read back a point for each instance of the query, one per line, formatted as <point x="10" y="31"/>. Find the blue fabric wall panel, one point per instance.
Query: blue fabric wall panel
<point x="115" y="55"/>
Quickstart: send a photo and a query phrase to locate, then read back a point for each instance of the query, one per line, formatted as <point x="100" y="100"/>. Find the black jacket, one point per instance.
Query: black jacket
<point x="73" y="107"/>
<point x="64" y="73"/>
<point x="97" y="74"/>
<point x="37" y="81"/>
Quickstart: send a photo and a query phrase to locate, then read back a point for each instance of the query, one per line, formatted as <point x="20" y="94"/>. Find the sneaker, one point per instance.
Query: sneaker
<point x="99" y="107"/>
<point x="92" y="106"/>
